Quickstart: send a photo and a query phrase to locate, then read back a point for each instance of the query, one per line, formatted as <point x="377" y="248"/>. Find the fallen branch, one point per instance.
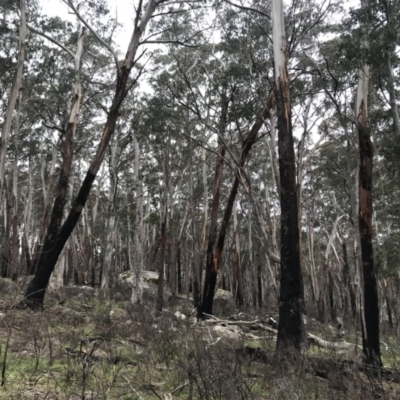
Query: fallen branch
<point x="313" y="339"/>
<point x="257" y="324"/>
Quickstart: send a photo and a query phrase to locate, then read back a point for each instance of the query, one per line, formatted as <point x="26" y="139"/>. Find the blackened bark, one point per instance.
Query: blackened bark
<point x="347" y="282"/>
<point x="55" y="242"/>
<point x="211" y="262"/>
<point x="36" y="290"/>
<point x="291" y="331"/>
<point x="214" y="262"/>
<point x="332" y="305"/>
<point x="371" y="346"/>
<point x="246" y="147"/>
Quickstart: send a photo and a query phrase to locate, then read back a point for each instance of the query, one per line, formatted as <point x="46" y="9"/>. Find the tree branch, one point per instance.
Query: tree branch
<point x="249" y="9"/>
<point x="56" y="42"/>
<point x="169" y="42"/>
<point x="103" y="42"/>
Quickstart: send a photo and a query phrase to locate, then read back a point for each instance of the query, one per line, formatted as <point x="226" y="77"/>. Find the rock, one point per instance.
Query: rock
<point x="224" y="303"/>
<point x="179" y="315"/>
<point x="124" y="283"/>
<point x="150" y="277"/>
<point x="83" y="292"/>
<point x="230" y="332"/>
<point x="8" y="286"/>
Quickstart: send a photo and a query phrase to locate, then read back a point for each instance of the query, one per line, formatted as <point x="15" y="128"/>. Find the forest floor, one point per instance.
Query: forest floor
<point x="92" y="349"/>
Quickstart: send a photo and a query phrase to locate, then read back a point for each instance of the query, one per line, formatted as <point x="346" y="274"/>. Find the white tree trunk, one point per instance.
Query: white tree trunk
<point x="13" y="95"/>
<point x="279" y="41"/>
<point x="272" y="150"/>
<point x="110" y="222"/>
<point x="138" y="262"/>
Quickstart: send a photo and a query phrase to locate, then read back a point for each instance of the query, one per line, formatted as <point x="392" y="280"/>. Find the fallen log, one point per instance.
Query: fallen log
<point x="258" y="324"/>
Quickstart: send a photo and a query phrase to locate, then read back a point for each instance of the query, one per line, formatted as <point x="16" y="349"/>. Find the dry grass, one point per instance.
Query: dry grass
<point x="101" y="350"/>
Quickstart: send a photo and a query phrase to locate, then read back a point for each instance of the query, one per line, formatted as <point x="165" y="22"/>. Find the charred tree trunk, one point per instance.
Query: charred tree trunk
<point x="371" y="345"/>
<point x="291" y="331"/>
<point x="347" y="283"/>
<point x="52" y="248"/>
<point x="246" y="148"/>
<point x="211" y="262"/>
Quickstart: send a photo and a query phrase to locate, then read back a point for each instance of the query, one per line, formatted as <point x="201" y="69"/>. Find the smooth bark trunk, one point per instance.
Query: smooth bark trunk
<point x="138" y="264"/>
<point x="16" y="86"/>
<point x="163" y="236"/>
<point x="111" y="217"/>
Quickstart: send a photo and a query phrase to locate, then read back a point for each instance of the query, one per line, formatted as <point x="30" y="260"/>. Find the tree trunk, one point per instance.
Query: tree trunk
<point x="371" y="345"/>
<point x="16" y="86"/>
<point x="246" y="147"/>
<point x="211" y="262"/>
<point x="5" y="259"/>
<point x="50" y="252"/>
<point x="110" y="218"/>
<point x="237" y="268"/>
<point x="14" y="221"/>
<point x="163" y="238"/>
<point x="27" y="223"/>
<point x="138" y="267"/>
<point x="197" y="264"/>
<point x="47" y="201"/>
<point x="291" y="331"/>
<point x="178" y="250"/>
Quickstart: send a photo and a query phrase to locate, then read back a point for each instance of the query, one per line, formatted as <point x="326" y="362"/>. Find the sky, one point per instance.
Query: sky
<point x="124" y="12"/>
<point x="122" y="9"/>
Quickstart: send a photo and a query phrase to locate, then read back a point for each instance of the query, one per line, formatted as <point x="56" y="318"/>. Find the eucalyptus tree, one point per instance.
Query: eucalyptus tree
<point x="36" y="290"/>
<point x="5" y="134"/>
<point x="291" y="325"/>
<point x="16" y="86"/>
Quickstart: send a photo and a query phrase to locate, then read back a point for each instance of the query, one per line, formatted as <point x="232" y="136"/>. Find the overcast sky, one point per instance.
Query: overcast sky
<point x="123" y="9"/>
